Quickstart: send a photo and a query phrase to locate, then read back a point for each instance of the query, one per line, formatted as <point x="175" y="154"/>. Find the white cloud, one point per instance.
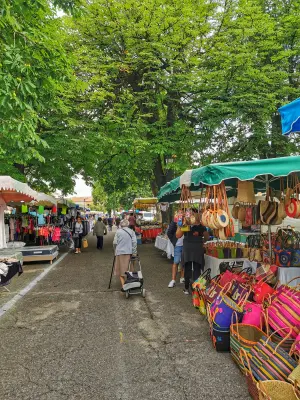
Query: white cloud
<point x="81" y="189"/>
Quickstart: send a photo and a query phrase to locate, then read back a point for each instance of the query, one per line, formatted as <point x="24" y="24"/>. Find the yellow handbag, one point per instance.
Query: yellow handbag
<point x="85" y="243"/>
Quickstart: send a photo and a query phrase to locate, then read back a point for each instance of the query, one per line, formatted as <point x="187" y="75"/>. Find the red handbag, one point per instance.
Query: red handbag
<point x="262" y="291"/>
<point x="227" y="277"/>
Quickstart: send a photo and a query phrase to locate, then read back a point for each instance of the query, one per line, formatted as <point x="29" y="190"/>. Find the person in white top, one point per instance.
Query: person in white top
<point x="178" y="247"/>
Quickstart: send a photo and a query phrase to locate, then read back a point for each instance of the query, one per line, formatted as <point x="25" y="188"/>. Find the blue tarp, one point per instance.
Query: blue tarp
<point x="290" y="117"/>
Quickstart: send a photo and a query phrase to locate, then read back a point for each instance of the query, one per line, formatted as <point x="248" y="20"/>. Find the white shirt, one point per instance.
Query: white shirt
<point x="180" y="241"/>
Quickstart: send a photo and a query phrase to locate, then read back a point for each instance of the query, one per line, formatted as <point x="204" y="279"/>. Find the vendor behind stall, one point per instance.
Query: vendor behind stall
<point x="193" y="252"/>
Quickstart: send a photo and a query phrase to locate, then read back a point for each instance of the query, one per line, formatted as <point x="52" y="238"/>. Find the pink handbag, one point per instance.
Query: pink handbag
<point x="253" y="314"/>
<point x="291" y="301"/>
<point x="297" y="344"/>
<point x="279" y="318"/>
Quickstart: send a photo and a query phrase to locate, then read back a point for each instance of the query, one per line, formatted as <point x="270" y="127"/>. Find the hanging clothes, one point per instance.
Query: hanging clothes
<point x="11" y="229"/>
<point x="2" y="224"/>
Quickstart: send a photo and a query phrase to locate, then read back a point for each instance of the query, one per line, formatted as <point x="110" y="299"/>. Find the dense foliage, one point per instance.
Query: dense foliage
<point x="130" y="93"/>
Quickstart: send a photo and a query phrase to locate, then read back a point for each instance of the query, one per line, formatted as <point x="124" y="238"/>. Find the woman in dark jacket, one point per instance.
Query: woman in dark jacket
<point x="193" y="252"/>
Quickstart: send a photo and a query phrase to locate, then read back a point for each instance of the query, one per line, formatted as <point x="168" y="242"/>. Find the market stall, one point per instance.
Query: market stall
<point x="145" y="203"/>
<point x="12" y="192"/>
<point x="278" y="178"/>
<point x="11" y="260"/>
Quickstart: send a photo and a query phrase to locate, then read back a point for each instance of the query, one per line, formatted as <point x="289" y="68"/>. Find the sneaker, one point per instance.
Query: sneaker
<point x="185" y="291"/>
<point x="172" y="284"/>
<point x="182" y="280"/>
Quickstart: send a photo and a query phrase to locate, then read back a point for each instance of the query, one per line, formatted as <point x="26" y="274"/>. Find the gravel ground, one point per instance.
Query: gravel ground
<point x="72" y="338"/>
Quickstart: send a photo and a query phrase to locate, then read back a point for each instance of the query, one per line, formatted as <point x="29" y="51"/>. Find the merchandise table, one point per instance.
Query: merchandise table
<point x="284" y="275"/>
<point x="149" y="233"/>
<point x="161" y="243"/>
<point x="14" y="269"/>
<point x="214" y="263"/>
<point x="11" y="253"/>
<point x="165" y="245"/>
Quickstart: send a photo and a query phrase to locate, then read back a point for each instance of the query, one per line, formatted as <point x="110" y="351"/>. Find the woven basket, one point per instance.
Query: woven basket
<point x="243" y="336"/>
<point x="252" y="388"/>
<point x="251" y="381"/>
<point x="276" y="390"/>
<point x="245" y="192"/>
<point x="294" y="377"/>
<point x="286" y="345"/>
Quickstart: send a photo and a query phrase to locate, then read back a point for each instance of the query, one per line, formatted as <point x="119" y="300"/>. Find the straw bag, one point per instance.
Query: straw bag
<point x="251" y="381"/>
<point x="294" y="377"/>
<point x="222" y="310"/>
<point x="85" y="243"/>
<point x="235" y="210"/>
<point x="245" y="192"/>
<point x="268" y="211"/>
<point x="277" y="390"/>
<point x="269" y="361"/>
<point x="243" y="336"/>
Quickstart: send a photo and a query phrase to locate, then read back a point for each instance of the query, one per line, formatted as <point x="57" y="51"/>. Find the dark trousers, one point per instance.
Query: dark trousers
<point x="78" y="242"/>
<point x="99" y="242"/>
<point x="190" y="274"/>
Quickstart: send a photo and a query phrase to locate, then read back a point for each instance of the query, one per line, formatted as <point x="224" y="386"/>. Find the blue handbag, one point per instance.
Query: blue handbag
<point x="295" y="262"/>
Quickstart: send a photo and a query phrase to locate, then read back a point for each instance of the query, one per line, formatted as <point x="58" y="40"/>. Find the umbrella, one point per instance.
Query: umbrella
<point x="12" y="190"/>
<point x="44" y="200"/>
<point x="290" y="117"/>
<point x="262" y="172"/>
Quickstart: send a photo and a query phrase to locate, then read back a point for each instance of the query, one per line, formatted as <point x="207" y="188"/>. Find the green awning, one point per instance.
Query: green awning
<point x="260" y="171"/>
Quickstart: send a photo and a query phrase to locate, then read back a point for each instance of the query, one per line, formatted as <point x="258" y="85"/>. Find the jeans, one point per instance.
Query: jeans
<point x="188" y="272"/>
<point x="78" y="242"/>
<point x="99" y="242"/>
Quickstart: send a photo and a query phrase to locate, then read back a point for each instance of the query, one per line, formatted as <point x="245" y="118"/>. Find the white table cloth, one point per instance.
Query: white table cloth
<point x="285" y="275"/>
<point x="214" y="263"/>
<point x="165" y="245"/>
<point x="161" y="243"/>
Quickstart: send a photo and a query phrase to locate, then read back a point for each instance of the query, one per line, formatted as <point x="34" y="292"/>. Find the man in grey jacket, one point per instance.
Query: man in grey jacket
<point x="99" y="230"/>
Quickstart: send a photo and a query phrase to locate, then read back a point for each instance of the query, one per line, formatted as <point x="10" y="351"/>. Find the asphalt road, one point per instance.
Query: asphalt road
<point x="71" y="338"/>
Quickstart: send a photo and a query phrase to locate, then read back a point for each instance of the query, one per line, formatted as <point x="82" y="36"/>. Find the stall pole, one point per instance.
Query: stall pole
<point x="269" y="226"/>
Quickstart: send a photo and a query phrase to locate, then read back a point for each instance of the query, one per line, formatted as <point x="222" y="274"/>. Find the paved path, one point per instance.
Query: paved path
<point x="70" y="338"/>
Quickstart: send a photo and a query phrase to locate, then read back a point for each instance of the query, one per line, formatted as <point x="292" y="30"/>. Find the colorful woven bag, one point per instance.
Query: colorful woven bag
<point x="243" y="336"/>
<point x="269" y="361"/>
<point x="222" y="310"/>
<point x="253" y="314"/>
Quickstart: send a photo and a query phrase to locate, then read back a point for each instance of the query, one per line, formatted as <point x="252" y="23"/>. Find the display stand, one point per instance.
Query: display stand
<point x="214" y="263"/>
<point x="40" y="253"/>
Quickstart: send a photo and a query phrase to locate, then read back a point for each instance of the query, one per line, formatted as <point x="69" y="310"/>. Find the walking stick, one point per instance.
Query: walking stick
<point x="112" y="271"/>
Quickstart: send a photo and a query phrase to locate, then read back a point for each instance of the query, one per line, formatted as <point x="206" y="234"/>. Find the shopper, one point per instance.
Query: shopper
<point x="77" y="234"/>
<point x="178" y="247"/>
<point x="125" y="246"/>
<point x="118" y="220"/>
<point x="110" y="223"/>
<point x="99" y="230"/>
<point x="132" y="221"/>
<point x="193" y="252"/>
